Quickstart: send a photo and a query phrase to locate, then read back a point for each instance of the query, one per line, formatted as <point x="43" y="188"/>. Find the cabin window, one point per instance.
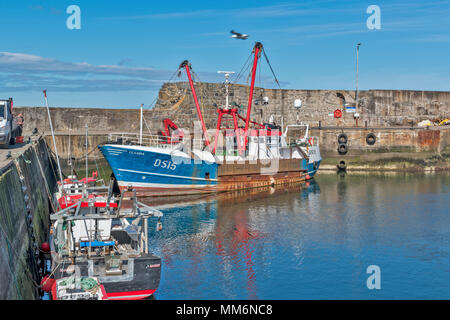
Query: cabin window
<point x="207" y="175"/>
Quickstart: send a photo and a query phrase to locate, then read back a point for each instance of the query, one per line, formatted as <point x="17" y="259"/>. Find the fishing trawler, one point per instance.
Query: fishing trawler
<point x="99" y="241"/>
<point x="106" y="244"/>
<point x="243" y="155"/>
<point x="96" y="253"/>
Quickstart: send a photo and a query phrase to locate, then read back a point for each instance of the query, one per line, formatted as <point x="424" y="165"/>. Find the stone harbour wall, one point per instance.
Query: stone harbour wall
<point x="392" y="115"/>
<point x="399" y="149"/>
<point x="377" y="107"/>
<point x="24" y="220"/>
<point x="380" y="108"/>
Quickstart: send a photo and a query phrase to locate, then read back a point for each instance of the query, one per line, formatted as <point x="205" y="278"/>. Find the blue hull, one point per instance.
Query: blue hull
<point x="154" y="171"/>
<point x="142" y="167"/>
<point x="312" y="168"/>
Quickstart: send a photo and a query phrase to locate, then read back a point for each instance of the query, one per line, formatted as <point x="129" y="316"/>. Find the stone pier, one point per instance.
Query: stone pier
<point x="392" y="115"/>
<point x="26" y="183"/>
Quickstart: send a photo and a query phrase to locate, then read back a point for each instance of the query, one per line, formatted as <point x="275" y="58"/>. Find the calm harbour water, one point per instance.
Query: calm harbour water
<point x="312" y="242"/>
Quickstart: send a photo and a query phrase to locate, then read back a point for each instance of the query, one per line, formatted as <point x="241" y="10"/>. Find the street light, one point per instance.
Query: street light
<point x="357" y="58"/>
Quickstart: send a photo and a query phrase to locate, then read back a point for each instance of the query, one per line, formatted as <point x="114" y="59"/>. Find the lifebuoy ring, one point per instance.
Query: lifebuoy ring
<point x="337" y="113"/>
<point x="371" y="139"/>
<point x="342" y="138"/>
<point x="342" y="149"/>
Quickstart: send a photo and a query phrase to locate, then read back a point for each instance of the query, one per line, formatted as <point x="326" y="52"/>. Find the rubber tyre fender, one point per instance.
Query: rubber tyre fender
<point x="342" y="138"/>
<point x="342" y="149"/>
<point x="371" y="139"/>
<point x="342" y="165"/>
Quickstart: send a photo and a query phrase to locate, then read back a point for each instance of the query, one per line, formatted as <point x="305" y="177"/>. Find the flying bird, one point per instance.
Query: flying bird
<point x="237" y="35"/>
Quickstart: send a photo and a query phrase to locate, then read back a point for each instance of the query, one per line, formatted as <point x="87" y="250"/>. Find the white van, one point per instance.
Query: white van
<point x="6" y="123"/>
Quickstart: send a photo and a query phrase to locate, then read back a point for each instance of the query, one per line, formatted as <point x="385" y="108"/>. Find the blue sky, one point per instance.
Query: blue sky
<point x="125" y="50"/>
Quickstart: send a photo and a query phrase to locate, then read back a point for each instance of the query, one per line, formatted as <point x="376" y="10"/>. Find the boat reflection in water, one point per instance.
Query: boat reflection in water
<point x="306" y="242"/>
<point x="208" y="233"/>
<point x="231" y="197"/>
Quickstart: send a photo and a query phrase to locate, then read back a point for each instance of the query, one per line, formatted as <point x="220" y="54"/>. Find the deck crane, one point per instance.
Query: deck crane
<point x="187" y="66"/>
<point x="171" y="137"/>
<point x="228" y="110"/>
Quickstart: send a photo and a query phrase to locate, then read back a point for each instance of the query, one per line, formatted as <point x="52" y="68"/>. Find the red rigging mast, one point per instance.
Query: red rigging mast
<point x="185" y="64"/>
<point x="258" y="48"/>
<point x="257" y="51"/>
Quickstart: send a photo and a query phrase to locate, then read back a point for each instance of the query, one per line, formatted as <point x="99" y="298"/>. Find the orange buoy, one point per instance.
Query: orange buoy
<point x="308" y="177"/>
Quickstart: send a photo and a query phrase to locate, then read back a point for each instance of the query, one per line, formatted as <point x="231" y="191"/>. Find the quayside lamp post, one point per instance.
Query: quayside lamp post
<point x="357" y="66"/>
<point x="356" y="115"/>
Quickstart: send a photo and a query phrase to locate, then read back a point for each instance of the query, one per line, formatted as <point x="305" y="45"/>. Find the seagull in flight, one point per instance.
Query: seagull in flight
<point x="238" y="35"/>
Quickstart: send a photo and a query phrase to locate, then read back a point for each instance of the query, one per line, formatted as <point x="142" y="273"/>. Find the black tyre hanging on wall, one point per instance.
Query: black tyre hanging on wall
<point x="342" y="138"/>
<point x="371" y="139"/>
<point x="342" y="166"/>
<point x="342" y="149"/>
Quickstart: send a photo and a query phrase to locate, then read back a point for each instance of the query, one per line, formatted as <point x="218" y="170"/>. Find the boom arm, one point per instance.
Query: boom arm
<point x="257" y="51"/>
<point x="185" y="64"/>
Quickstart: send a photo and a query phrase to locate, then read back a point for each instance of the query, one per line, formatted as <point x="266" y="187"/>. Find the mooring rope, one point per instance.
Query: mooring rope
<point x="45" y="180"/>
<point x="51" y="162"/>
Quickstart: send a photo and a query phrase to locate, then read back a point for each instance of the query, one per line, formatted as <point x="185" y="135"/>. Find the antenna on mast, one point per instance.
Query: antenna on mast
<point x="227" y="82"/>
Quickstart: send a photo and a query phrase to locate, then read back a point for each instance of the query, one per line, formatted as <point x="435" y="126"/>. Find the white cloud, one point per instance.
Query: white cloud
<point x="27" y="72"/>
<point x="22" y="63"/>
<point x="168" y="15"/>
<point x="278" y="10"/>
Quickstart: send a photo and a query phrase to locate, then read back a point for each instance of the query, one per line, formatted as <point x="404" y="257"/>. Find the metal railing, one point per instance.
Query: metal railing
<point x="149" y="140"/>
<point x="310" y="141"/>
<point x="161" y="141"/>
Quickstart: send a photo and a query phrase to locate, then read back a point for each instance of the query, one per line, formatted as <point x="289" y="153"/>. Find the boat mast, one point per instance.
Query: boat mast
<point x="69" y="155"/>
<point x="227" y="82"/>
<point x="86" y="154"/>
<point x="185" y="64"/>
<point x="257" y="50"/>
<point x="228" y="111"/>
<point x="140" y="126"/>
<point x="54" y="142"/>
